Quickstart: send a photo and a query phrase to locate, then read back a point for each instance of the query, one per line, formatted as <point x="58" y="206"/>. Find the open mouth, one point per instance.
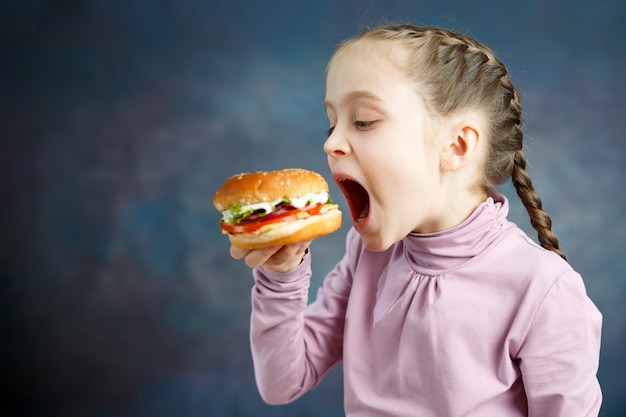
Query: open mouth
<point x="357" y="198"/>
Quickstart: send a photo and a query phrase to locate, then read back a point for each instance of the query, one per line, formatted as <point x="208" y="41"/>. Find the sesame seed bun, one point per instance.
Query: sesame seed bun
<point x="263" y="186"/>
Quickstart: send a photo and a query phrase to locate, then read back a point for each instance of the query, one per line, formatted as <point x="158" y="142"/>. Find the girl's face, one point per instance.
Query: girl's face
<point x="381" y="147"/>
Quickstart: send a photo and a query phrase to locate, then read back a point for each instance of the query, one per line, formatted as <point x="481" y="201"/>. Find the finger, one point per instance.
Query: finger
<point x="300" y="249"/>
<point x="288" y="257"/>
<point x="286" y="253"/>
<point x="238" y="253"/>
<point x="258" y="257"/>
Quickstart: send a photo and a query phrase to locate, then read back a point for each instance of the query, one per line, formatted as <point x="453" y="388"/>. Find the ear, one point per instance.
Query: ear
<point x="461" y="147"/>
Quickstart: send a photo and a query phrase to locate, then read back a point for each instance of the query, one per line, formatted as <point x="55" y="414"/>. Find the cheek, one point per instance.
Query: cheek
<point x="407" y="179"/>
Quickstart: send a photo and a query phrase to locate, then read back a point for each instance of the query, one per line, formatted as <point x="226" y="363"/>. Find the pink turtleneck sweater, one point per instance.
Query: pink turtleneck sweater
<point x="473" y="321"/>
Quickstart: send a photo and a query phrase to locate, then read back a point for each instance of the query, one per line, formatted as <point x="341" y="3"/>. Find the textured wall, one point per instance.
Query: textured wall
<point x="120" y="119"/>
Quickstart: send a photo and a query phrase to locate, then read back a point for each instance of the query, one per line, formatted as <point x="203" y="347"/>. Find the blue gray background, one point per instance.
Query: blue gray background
<point x="119" y="120"/>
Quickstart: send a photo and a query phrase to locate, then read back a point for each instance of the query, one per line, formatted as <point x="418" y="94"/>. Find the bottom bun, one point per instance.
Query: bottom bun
<point x="290" y="232"/>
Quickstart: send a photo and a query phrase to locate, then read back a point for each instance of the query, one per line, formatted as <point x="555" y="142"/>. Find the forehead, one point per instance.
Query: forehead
<point x="376" y="53"/>
<point x="365" y="66"/>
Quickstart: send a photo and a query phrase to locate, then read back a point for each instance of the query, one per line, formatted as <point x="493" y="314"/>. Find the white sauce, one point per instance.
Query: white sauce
<point x="297" y="202"/>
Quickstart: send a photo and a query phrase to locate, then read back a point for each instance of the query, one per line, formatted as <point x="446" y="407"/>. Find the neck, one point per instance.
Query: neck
<point x="452" y="209"/>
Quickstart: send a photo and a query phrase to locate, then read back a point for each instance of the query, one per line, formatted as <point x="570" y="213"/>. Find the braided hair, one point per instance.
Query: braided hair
<point x="456" y="72"/>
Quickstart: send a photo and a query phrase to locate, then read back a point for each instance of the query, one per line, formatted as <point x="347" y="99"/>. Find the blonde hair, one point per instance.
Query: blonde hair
<point x="455" y="73"/>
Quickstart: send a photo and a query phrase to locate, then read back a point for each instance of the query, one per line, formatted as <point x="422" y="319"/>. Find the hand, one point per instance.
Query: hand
<point x="279" y="258"/>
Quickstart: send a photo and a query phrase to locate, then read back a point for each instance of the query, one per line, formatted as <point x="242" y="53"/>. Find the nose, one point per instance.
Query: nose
<point x="336" y="144"/>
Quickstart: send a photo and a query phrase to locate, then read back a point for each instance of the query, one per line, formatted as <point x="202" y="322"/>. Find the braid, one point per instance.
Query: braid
<point x="538" y="218"/>
<point x="520" y="178"/>
<point x="456" y="72"/>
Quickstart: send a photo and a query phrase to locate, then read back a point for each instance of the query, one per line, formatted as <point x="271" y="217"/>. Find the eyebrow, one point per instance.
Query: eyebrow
<point x="355" y="95"/>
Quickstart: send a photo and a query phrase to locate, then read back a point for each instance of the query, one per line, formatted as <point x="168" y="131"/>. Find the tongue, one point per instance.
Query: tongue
<point x="364" y="212"/>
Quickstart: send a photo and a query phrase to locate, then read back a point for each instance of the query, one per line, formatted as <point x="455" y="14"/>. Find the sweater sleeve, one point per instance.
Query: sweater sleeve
<point x="559" y="358"/>
<point x="293" y="346"/>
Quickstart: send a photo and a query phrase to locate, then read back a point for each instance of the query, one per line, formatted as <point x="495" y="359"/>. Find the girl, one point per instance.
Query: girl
<point x="440" y="306"/>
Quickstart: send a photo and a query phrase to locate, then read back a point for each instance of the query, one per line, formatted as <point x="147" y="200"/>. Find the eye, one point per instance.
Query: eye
<point x="330" y="131"/>
<point x="362" y="125"/>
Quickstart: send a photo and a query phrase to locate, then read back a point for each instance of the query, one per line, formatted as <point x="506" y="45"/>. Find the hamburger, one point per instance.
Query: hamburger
<point x="275" y="208"/>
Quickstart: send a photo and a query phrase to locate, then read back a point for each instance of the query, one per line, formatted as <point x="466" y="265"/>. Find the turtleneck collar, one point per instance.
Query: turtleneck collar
<point x="437" y="253"/>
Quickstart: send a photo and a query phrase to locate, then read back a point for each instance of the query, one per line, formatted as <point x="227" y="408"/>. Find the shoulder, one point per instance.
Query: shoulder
<point x="550" y="294"/>
<point x="517" y="265"/>
<point x="521" y="254"/>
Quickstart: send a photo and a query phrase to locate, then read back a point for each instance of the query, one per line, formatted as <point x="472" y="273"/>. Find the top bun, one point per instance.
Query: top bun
<point x="263" y="186"/>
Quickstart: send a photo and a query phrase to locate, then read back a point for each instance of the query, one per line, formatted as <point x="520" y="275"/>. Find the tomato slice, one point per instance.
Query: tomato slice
<point x="288" y="216"/>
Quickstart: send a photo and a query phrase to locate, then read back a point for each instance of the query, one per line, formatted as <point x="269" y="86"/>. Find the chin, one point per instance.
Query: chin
<point x="377" y="243"/>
